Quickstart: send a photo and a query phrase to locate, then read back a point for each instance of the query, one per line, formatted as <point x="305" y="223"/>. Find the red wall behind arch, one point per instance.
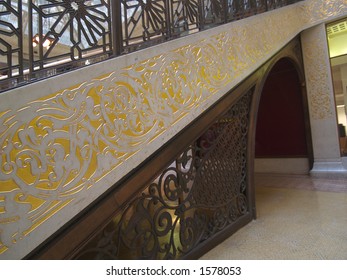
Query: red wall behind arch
<point x="280" y="123"/>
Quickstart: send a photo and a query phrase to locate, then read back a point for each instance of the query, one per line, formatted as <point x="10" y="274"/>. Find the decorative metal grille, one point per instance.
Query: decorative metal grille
<point x="41" y="38"/>
<point x="273" y="4"/>
<point x="203" y="192"/>
<point x="214" y="12"/>
<point x="71" y="30"/>
<point x="185" y="16"/>
<point x="144" y="20"/>
<point x="11" y="48"/>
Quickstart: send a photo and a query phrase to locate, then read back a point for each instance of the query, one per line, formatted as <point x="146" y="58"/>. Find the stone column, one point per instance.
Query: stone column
<point x="319" y="85"/>
<point x="344" y="83"/>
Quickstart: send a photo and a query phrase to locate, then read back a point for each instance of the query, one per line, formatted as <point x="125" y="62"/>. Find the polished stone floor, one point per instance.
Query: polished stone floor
<point x="298" y="218"/>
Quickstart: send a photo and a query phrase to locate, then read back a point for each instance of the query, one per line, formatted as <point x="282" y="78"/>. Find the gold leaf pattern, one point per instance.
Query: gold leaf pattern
<point x="317" y="67"/>
<point x="54" y="149"/>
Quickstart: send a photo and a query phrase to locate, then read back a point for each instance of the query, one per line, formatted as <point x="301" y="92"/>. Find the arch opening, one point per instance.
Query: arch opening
<point x="281" y="144"/>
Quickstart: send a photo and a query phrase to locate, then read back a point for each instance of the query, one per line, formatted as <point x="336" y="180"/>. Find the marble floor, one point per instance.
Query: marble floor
<point x="298" y="218"/>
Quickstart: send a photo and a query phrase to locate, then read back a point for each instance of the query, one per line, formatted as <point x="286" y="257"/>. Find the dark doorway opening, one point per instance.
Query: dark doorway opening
<point x="281" y="128"/>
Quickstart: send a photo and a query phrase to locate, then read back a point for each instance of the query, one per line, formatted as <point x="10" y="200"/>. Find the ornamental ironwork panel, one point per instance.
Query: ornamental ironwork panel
<point x="246" y="8"/>
<point x="260" y="6"/>
<point x="144" y="21"/>
<point x="68" y="31"/>
<point x="274" y="4"/>
<point x="11" y="48"/>
<point x="200" y="194"/>
<point x="214" y="12"/>
<point x="185" y="17"/>
<point x="41" y="38"/>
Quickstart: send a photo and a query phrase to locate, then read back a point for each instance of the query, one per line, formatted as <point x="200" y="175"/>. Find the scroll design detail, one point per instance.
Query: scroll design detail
<point x="200" y="194"/>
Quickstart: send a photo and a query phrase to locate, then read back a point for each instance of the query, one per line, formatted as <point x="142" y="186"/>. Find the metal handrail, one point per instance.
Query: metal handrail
<point x="42" y="38"/>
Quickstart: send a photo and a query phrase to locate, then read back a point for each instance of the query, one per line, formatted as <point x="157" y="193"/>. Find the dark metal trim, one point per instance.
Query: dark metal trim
<point x="194" y="15"/>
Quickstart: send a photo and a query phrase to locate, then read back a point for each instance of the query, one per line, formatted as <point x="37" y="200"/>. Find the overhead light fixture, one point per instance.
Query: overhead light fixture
<point x="47" y="42"/>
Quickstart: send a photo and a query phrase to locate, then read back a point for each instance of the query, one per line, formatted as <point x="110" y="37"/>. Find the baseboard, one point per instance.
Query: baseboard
<point x="282" y="165"/>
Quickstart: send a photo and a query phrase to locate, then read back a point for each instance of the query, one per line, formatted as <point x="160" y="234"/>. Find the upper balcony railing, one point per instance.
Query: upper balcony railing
<point x="42" y="38"/>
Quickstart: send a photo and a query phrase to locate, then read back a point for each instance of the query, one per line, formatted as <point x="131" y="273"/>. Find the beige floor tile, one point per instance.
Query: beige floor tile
<point x="298" y="218"/>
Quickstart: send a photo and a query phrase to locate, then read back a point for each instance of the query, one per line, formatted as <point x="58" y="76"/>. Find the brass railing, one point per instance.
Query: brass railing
<point x="42" y="38"/>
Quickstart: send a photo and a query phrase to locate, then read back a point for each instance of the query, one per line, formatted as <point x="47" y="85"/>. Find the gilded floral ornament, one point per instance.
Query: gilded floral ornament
<point x="314" y="11"/>
<point x="55" y="150"/>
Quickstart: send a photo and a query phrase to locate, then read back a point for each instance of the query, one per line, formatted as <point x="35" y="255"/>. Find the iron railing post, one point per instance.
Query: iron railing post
<point x="20" y="40"/>
<point x="169" y="20"/>
<point x="200" y="19"/>
<point x="116" y="27"/>
<point x="30" y="36"/>
<point x="225" y="7"/>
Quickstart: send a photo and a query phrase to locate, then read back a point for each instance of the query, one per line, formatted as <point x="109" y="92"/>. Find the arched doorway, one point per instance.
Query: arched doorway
<point x="282" y="132"/>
